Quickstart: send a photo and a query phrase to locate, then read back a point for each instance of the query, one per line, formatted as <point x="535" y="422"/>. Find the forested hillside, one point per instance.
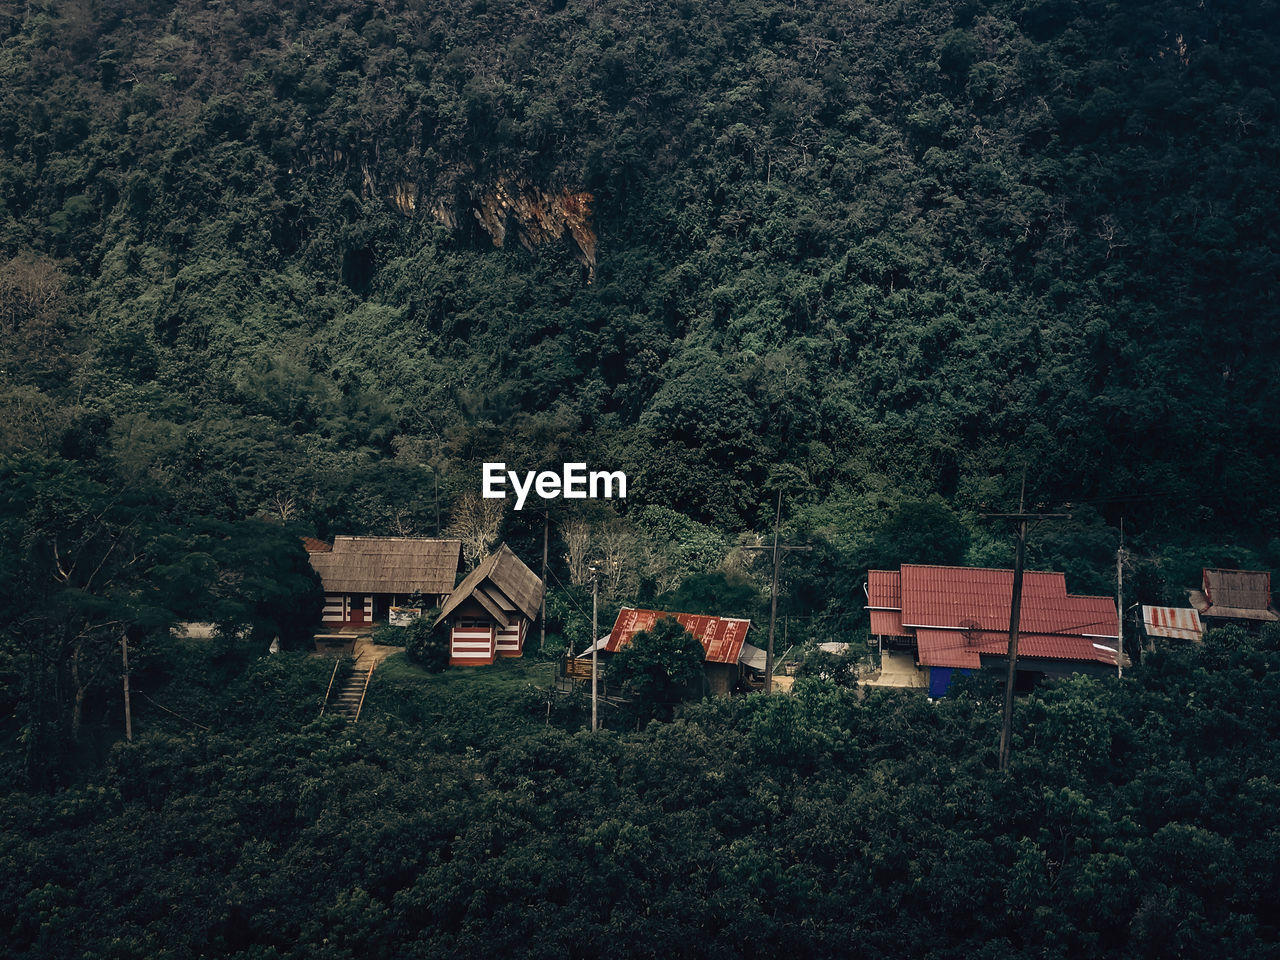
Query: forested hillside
<point x="283" y="269"/>
<point x="270" y="269"/>
<point x="906" y="247"/>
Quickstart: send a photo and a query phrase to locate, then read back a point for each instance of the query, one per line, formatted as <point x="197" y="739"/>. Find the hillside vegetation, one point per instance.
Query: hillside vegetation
<point x="272" y="269"/>
<point x="1137" y="820"/>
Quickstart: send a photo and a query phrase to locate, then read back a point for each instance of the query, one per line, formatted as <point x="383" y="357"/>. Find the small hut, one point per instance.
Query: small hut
<point x="1241" y="597"/>
<point x="726" y="654"/>
<point x="490" y="611"/>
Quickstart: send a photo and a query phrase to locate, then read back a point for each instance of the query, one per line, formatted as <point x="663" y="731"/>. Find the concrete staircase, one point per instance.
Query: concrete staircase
<point x="346" y="697"/>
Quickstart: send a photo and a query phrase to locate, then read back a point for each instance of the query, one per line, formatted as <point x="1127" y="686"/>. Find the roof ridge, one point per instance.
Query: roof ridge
<point x="958" y="566"/>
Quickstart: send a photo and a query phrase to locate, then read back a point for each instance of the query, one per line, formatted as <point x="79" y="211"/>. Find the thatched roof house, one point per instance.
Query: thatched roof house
<point x="489" y="612"/>
<point x="364" y="576"/>
<point x="1235" y="595"/>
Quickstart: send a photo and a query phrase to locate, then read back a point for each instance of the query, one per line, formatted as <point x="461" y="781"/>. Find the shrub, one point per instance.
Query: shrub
<point x="425" y="645"/>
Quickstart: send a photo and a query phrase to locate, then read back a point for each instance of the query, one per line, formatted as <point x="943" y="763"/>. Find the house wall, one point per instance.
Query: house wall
<point x="347" y="609"/>
<point x="510" y="640"/>
<point x="940" y="679"/>
<point x="721" y="678"/>
<point x="472" y="643"/>
<point x="361" y="609"/>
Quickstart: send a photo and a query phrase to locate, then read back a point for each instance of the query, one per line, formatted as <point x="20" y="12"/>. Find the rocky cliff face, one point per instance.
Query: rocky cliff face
<point x="516" y="208"/>
<point x="536" y="217"/>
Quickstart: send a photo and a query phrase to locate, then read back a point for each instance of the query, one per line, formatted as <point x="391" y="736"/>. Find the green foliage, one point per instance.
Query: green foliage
<point x="840" y="669"/>
<point x="919" y="532"/>
<point x="427" y="644"/>
<point x="717" y="594"/>
<point x="660" y="666"/>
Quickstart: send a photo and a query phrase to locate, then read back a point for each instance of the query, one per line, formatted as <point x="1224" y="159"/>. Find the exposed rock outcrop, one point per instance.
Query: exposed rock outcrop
<point x="532" y="216"/>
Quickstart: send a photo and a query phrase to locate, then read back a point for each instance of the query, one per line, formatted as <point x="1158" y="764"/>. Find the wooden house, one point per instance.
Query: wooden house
<point x="726" y="654"/>
<point x="1242" y="597"/>
<point x="957" y="619"/>
<point x="363" y="577"/>
<point x="490" y="611"/>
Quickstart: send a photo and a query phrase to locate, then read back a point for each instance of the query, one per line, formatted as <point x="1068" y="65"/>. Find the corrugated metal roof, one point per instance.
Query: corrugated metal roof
<point x="884" y="589"/>
<point x="1240" y="613"/>
<point x="1243" y="589"/>
<point x="388" y="565"/>
<point x="752" y="656"/>
<point x="887" y="623"/>
<point x="980" y="598"/>
<point x="965" y="648"/>
<point x="1180" y="622"/>
<point x="721" y="637"/>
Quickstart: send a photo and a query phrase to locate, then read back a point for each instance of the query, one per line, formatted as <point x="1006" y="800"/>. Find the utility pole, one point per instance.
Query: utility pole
<point x="128" y="711"/>
<point x="436" y="478"/>
<point x="1120" y="607"/>
<point x="595" y="653"/>
<point x="546" y="534"/>
<point x="778" y="550"/>
<point x="1021" y="518"/>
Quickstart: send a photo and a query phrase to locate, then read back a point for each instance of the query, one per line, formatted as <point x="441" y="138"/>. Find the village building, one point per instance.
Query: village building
<point x="489" y="612"/>
<point x="728" y="660"/>
<point x="364" y="577"/>
<point x="1242" y="597"/>
<point x="1171" y="623"/>
<point x="956" y="620"/>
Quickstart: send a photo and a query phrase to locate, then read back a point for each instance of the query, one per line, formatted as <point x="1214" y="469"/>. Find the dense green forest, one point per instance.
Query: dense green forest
<point x="273" y="269"/>
<point x="461" y="818"/>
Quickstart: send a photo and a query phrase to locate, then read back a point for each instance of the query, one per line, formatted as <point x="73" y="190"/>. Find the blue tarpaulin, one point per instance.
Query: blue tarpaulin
<point x="940" y="679"/>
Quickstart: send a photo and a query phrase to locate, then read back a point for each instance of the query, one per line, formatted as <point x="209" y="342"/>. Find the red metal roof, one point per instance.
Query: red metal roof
<point x="980" y="598"/>
<point x="887" y="623"/>
<point x="1181" y="622"/>
<point x="884" y="589"/>
<point x="721" y="637"/>
<point x="962" y="648"/>
<point x="312" y="545"/>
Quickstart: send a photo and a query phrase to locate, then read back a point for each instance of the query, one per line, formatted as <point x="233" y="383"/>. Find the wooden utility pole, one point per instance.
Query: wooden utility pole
<point x="595" y="653"/>
<point x="128" y="710"/>
<point x="1120" y="607"/>
<point x="1015" y="609"/>
<point x="546" y="535"/>
<point x="778" y="550"/>
<point x="436" y="479"/>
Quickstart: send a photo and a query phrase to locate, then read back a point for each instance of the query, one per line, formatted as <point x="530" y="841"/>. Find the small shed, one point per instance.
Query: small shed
<point x="1176" y="623"/>
<point x="1235" y="596"/>
<point x="723" y="642"/>
<point x="364" y="577"/>
<point x="490" y="611"/>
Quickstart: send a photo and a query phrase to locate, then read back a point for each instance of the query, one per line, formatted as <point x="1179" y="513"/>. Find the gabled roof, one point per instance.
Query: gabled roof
<point x="502" y="585"/>
<point x="959" y="614"/>
<point x="965" y="649"/>
<point x="884" y="601"/>
<point x="980" y="598"/>
<point x="721" y="637"/>
<point x="1238" y="594"/>
<point x="386" y="564"/>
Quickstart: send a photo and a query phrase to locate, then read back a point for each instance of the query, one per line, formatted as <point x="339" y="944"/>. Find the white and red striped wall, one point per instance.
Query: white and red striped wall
<point x="347" y="609"/>
<point x="510" y="640"/>
<point x="474" y="643"/>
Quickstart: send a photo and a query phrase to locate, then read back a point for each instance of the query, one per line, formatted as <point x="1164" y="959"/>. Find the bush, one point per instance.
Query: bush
<point x="385" y="635"/>
<point x="425" y="645"/>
